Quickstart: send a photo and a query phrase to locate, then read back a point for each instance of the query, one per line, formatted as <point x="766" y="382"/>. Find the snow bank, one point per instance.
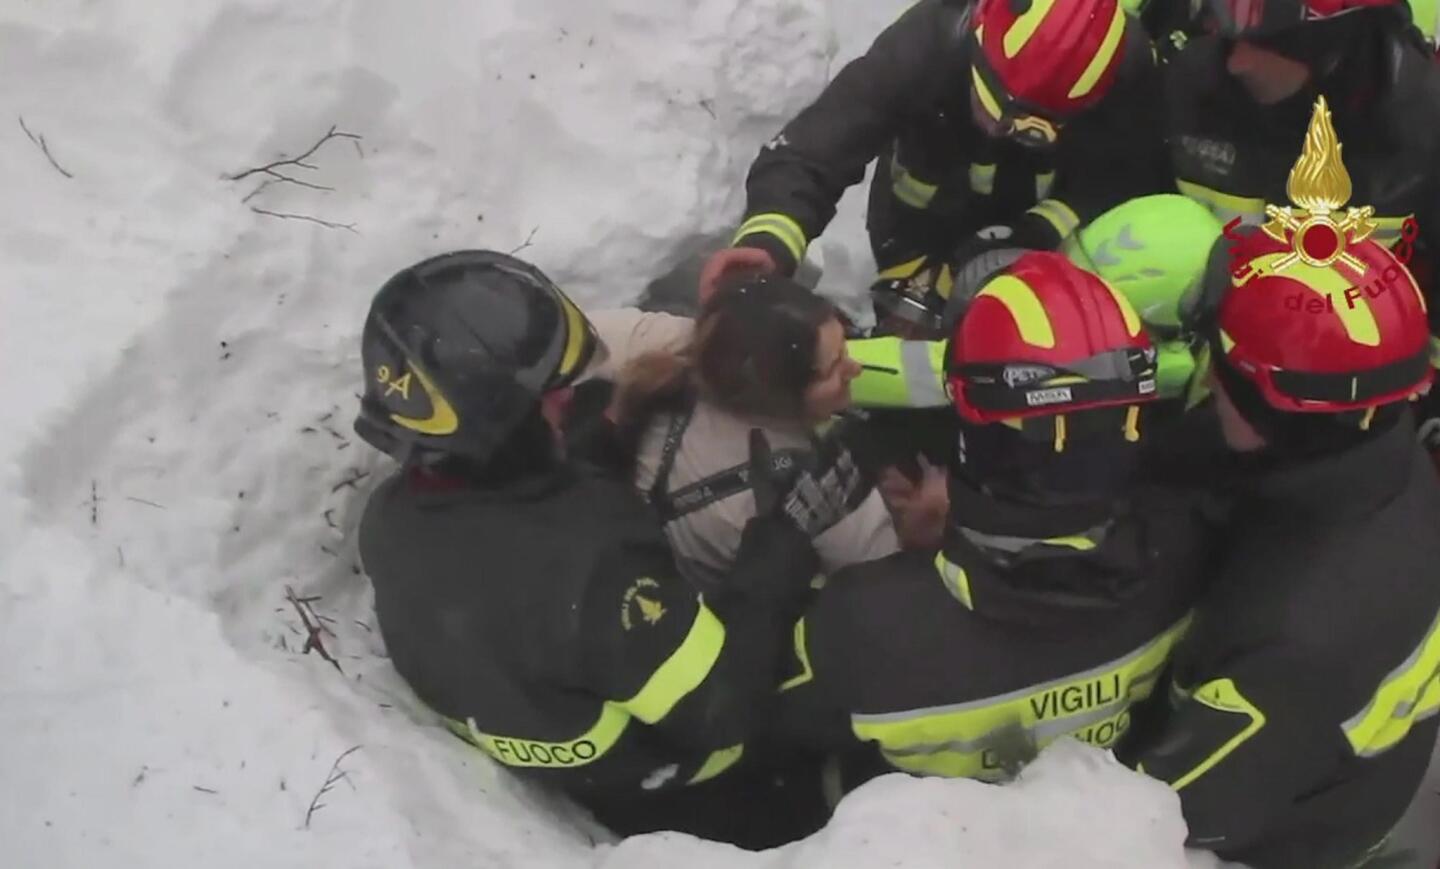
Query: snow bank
<point x="182" y="370"/>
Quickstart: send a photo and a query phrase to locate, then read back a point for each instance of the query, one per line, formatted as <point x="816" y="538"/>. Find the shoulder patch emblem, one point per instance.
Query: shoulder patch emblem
<point x="650" y="611"/>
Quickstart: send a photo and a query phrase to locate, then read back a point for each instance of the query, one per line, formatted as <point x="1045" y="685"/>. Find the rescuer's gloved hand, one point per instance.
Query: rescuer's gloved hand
<point x="813" y="500"/>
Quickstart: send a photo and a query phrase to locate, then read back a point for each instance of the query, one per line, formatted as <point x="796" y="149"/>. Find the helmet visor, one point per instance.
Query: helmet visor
<point x="995" y="390"/>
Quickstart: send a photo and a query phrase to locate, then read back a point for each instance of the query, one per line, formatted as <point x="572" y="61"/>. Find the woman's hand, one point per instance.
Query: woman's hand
<point x="920" y="510"/>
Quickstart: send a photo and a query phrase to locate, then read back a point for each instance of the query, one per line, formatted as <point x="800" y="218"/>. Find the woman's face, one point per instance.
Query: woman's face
<point x="829" y="391"/>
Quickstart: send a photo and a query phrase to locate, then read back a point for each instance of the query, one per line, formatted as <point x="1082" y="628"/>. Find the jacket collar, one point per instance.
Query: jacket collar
<point x="1355" y="482"/>
<point x="1035" y="565"/>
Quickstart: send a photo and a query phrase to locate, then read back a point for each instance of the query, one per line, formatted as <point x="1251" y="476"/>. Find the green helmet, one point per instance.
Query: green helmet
<point x="1154" y="249"/>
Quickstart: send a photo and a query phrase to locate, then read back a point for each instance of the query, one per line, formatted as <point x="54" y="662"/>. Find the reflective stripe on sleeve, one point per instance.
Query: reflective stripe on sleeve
<point x="1408" y="694"/>
<point x="1057" y="214"/>
<point x="522" y="752"/>
<point x="682" y="672"/>
<point x="782" y="226"/>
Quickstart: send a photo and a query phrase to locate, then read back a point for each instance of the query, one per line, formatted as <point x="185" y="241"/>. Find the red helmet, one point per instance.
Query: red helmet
<point x="1324" y="326"/>
<point x="1263" y="17"/>
<point x="1040" y="62"/>
<point x="1044" y="338"/>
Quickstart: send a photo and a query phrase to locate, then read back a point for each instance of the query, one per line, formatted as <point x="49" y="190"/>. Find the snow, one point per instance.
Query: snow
<point x="180" y="385"/>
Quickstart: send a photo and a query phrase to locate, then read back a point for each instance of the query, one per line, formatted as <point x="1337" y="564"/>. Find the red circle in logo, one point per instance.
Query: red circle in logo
<point x="1320" y="242"/>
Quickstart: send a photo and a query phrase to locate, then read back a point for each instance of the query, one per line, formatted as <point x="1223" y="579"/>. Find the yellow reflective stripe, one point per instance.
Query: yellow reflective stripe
<point x="717" y="762"/>
<point x="1223" y="205"/>
<point x="442" y="419"/>
<point x="1084" y="544"/>
<point x="1059" y="425"/>
<point x="962" y="739"/>
<point x="1226" y="342"/>
<point x="955" y="579"/>
<point x="987" y="99"/>
<point x="782" y="226"/>
<point x="576" y="331"/>
<point x="685" y="669"/>
<point x="1024" y="307"/>
<point x="1408" y="693"/>
<point x="905" y="269"/>
<point x="1127" y="310"/>
<point x="881" y="382"/>
<point x="519" y="751"/>
<point x="803" y="656"/>
<point x="1434" y="352"/>
<point x="1388" y="229"/>
<point x="1025" y="26"/>
<point x="982" y="178"/>
<point x="945" y="283"/>
<point x="1057" y="214"/>
<point x="1043" y="182"/>
<point x="907" y="188"/>
<point x="1091" y="76"/>
<point x="1222" y="695"/>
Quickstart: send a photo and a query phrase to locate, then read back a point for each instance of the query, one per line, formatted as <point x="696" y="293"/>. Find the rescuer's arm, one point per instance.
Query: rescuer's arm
<point x="1240" y="747"/>
<point x="799" y="176"/>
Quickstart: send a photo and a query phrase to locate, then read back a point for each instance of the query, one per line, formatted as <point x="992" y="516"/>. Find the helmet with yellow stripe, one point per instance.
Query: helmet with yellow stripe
<point x="1040" y="62"/>
<point x="1045" y="337"/>
<point x="1318" y="320"/>
<point x="1048" y="368"/>
<point x="1319" y="316"/>
<point x="458" y="350"/>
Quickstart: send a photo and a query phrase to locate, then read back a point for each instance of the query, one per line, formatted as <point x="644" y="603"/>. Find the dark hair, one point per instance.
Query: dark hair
<point x="752" y="353"/>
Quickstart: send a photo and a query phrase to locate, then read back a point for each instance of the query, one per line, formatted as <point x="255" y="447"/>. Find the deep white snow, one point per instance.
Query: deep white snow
<point x="180" y="384"/>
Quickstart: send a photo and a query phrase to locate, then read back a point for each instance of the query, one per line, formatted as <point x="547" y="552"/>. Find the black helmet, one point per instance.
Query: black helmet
<point x="459" y="348"/>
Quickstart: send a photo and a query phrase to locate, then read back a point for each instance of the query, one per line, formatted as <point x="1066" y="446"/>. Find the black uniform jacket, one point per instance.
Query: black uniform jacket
<point x="1302" y="711"/>
<point x="908" y="97"/>
<point x="547" y="623"/>
<point x="1235" y="156"/>
<point x="1023" y="629"/>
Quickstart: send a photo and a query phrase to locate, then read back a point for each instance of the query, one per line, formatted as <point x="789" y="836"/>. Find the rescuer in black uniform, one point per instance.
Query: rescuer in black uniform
<point x="1030" y="117"/>
<point x="1303" y="701"/>
<point x="527" y="593"/>
<point x="1239" y="83"/>
<point x="1061" y="585"/>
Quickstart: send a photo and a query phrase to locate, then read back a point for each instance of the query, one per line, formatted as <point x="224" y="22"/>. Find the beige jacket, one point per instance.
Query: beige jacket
<point x="714" y="441"/>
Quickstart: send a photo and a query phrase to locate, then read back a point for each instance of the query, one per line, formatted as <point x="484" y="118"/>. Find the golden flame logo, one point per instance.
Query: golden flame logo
<point x="1318" y="187"/>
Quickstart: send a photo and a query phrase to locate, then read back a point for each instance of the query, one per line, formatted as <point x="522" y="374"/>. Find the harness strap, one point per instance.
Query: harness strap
<point x="717" y="486"/>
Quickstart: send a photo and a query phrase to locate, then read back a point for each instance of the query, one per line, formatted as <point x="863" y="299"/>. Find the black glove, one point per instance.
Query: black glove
<point x="815" y="500"/>
<point x="776" y="562"/>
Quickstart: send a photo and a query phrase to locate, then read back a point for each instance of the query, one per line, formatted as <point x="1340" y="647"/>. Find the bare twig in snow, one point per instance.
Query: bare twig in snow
<point x="139" y="778"/>
<point x="529" y="238"/>
<point x="146" y="503"/>
<point x="94" y="503"/>
<point x="297" y="162"/>
<point x="331" y="779"/>
<point x="709" y="107"/>
<point x="350" y="482"/>
<point x="314" y="628"/>
<point x="203" y="790"/>
<point x="325" y="223"/>
<point x="44" y="147"/>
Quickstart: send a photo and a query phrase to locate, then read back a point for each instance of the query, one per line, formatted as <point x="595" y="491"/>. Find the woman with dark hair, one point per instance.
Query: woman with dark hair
<point x="766" y="353"/>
